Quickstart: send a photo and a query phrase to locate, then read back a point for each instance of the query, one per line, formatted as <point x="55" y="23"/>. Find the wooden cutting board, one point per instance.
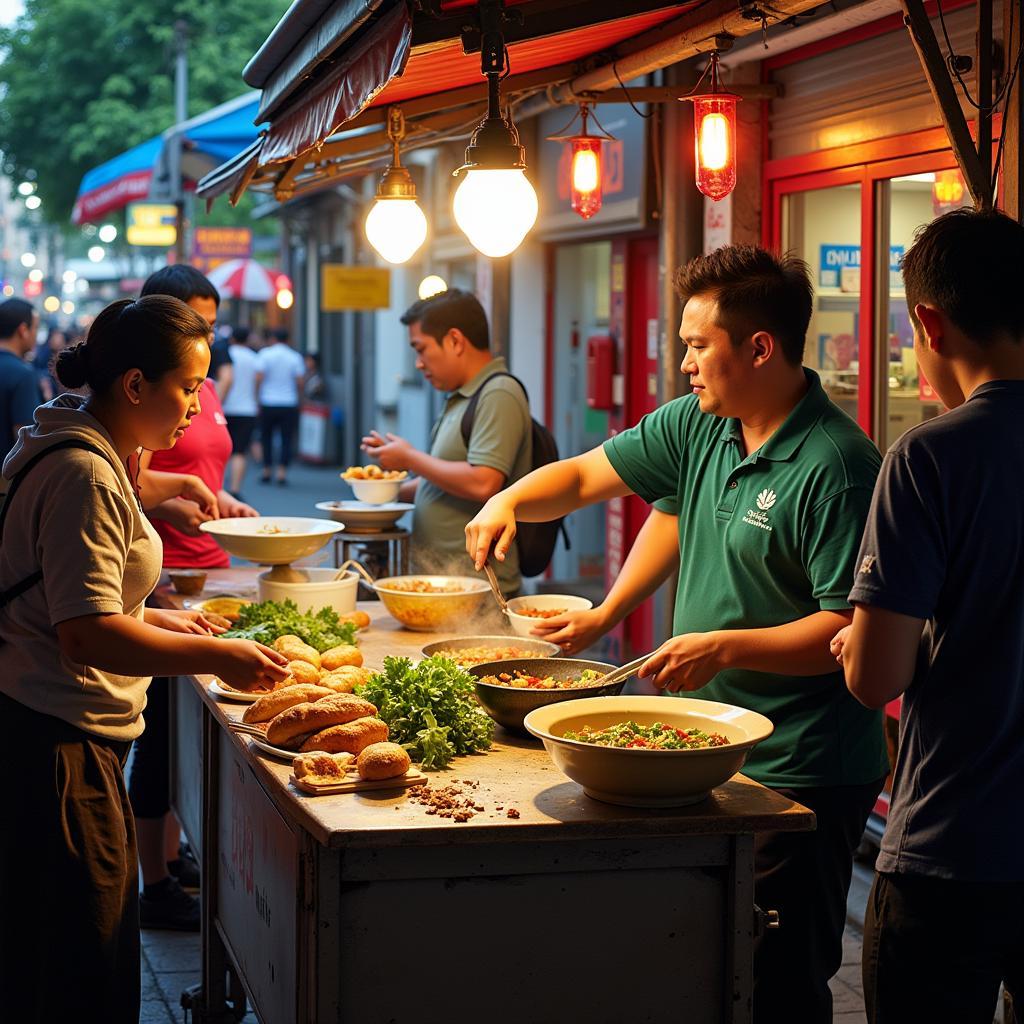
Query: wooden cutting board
<point x="413" y="777"/>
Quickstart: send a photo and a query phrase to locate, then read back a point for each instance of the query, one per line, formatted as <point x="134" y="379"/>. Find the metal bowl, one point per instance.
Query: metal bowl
<point x="360" y="517"/>
<point x="648" y="778"/>
<point x="508" y="705"/>
<point x="533" y="648"/>
<point x="433" y="613"/>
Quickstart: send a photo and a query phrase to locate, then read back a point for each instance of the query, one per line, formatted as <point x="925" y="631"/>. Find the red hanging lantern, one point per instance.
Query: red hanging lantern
<point x="585" y="164"/>
<point x="714" y="137"/>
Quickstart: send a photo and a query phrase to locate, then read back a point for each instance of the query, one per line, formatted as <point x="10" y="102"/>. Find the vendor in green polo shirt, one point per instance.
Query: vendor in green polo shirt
<point x="449" y="335"/>
<point x="766" y="484"/>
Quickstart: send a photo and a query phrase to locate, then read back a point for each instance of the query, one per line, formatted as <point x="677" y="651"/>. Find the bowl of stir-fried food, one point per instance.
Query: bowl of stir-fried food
<point x="432" y="603"/>
<point x="510" y="690"/>
<point x="374" y="485"/>
<point x="271" y="540"/>
<point x="475" y="650"/>
<point x="525" y="614"/>
<point x="648" y="751"/>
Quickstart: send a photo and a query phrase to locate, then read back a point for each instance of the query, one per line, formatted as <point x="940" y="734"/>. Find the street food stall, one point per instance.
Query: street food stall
<point x="500" y="888"/>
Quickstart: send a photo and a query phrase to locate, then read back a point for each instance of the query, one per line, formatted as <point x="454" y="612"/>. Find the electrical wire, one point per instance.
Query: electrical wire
<point x="629" y="99"/>
<point x="953" y="70"/>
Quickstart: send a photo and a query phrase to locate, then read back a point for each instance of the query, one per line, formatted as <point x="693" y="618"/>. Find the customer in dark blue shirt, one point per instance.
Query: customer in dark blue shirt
<point x="939" y="618"/>
<point x="19" y="384"/>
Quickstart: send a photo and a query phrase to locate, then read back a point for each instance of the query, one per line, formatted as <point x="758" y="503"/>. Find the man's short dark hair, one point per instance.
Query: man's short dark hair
<point x="240" y="334"/>
<point x="281" y="334"/>
<point x="14" y="313"/>
<point x="182" y="282"/>
<point x="970" y="265"/>
<point x="755" y="291"/>
<point x="453" y="308"/>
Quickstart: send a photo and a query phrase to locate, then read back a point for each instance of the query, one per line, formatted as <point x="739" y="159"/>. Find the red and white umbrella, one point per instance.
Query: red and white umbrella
<point x="243" y="279"/>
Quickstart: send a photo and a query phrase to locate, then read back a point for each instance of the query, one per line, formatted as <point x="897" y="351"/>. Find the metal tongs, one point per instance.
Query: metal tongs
<point x="624" y="672"/>
<point x="495" y="589"/>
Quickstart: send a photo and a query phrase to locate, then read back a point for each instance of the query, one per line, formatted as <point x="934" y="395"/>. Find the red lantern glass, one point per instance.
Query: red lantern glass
<point x="714" y="137"/>
<point x="585" y="175"/>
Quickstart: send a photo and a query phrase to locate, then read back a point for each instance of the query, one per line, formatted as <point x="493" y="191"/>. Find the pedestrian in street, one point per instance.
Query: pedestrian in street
<point x="939" y="619"/>
<point x="19" y="385"/>
<point x="45" y="358"/>
<point x="241" y="407"/>
<point x="168" y="868"/>
<point x="222" y="372"/>
<point x="450" y="336"/>
<point x="314" y="388"/>
<point x="279" y="376"/>
<point x="762" y="485"/>
<point x="77" y="562"/>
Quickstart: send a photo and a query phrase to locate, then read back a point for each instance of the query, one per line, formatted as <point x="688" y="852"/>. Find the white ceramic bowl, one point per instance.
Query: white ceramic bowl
<point x="648" y="778"/>
<point x="361" y="517"/>
<point x="253" y="540"/>
<point x="321" y="590"/>
<point x="375" y="492"/>
<point x="524" y="625"/>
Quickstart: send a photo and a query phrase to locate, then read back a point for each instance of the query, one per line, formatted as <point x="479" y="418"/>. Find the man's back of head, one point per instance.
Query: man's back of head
<point x="281" y="336"/>
<point x="450" y="309"/>
<point x="969" y="265"/>
<point x="16" y="321"/>
<point x="240" y="335"/>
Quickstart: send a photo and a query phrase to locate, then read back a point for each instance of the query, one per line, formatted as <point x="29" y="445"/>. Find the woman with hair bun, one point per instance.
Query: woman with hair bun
<point x="78" y="559"/>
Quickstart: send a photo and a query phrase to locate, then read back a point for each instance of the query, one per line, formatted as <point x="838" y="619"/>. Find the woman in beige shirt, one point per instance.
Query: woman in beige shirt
<point x="78" y="559"/>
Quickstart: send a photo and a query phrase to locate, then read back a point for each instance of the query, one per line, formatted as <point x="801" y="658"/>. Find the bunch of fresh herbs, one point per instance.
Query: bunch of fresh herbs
<point x="268" y="620"/>
<point x="430" y="709"/>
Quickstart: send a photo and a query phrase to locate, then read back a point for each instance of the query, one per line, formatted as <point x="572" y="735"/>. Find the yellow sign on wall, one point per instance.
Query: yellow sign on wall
<point x="151" y="224"/>
<point x="345" y="288"/>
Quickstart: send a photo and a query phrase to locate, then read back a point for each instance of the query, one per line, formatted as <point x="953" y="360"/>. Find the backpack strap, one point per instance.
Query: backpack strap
<point x="470" y="414"/>
<point x="31" y="580"/>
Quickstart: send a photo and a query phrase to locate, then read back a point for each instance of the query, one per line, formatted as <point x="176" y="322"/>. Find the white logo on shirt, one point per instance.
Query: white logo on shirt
<point x="867" y="565"/>
<point x="765" y="500"/>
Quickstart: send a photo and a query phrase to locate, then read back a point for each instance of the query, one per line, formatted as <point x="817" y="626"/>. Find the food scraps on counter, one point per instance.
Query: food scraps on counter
<point x="466" y="656"/>
<point x="520" y="680"/>
<point x="268" y="621"/>
<point x="373" y="472"/>
<point x="657" y="736"/>
<point x="451" y="801"/>
<point x="430" y="709"/>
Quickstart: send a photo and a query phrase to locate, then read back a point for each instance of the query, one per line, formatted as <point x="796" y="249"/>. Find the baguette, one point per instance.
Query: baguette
<point x="294" y="649"/>
<point x="345" y="679"/>
<point x="301" y="719"/>
<point x="343" y="654"/>
<point x="350" y="738"/>
<point x="266" y="708"/>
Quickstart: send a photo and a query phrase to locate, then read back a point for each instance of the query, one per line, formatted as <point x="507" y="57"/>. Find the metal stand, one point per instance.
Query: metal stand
<point x="389" y="548"/>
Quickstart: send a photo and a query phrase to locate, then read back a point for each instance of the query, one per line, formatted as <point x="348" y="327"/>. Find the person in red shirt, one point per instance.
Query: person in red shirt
<point x="203" y="451"/>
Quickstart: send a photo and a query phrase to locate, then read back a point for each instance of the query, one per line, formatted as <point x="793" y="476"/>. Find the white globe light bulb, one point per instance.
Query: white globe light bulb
<point x="495" y="209"/>
<point x="396" y="228"/>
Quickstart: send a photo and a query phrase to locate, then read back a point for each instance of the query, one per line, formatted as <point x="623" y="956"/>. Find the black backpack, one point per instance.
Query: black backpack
<point x="535" y="541"/>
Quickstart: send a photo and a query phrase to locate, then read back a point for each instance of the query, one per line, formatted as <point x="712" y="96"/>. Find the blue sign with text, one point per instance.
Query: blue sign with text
<point x="835" y="258"/>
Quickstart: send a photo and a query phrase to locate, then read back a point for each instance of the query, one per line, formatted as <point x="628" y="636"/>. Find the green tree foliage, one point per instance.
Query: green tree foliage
<point x="84" y="80"/>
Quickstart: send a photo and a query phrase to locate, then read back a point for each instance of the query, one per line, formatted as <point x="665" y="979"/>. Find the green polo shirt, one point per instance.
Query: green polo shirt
<point x="502" y="439"/>
<point x="765" y="539"/>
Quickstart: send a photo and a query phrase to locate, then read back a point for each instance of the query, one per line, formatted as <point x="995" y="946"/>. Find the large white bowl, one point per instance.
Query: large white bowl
<point x="648" y="778"/>
<point x="248" y="539"/>
<point x="524" y="625"/>
<point x="362" y="517"/>
<point x="319" y="590"/>
<point x="375" y="492"/>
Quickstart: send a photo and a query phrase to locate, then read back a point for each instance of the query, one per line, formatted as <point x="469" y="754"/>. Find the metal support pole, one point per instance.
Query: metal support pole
<point x="1013" y="116"/>
<point x="180" y="114"/>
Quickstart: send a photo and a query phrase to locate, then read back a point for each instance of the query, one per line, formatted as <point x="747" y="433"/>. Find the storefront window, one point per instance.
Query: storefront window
<point x="822" y="226"/>
<point x="914" y="201"/>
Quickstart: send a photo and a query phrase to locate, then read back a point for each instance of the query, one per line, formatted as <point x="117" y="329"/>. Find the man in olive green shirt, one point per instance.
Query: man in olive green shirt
<point x="765" y="486"/>
<point x="449" y="334"/>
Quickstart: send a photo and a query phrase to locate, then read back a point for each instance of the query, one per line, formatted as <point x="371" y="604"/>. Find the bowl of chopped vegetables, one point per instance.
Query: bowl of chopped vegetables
<point x="510" y="690"/>
<point x="648" y="751"/>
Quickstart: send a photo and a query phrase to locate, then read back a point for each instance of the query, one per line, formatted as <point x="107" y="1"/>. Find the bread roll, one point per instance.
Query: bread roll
<point x="301" y="719"/>
<point x="321" y="769"/>
<point x="359" y="619"/>
<point x="382" y="761"/>
<point x="343" y="654"/>
<point x="351" y="737"/>
<point x="345" y="679"/>
<point x="266" y="708"/>
<point x="293" y="648"/>
<point x="303" y="672"/>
